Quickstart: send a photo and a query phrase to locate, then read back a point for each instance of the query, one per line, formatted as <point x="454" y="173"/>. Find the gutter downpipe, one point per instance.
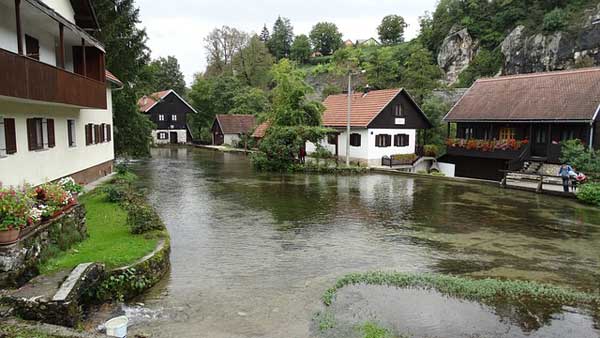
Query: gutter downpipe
<point x="592" y="128"/>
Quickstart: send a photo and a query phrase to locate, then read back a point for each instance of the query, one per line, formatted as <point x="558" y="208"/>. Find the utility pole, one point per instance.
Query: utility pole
<point x="348" y="118"/>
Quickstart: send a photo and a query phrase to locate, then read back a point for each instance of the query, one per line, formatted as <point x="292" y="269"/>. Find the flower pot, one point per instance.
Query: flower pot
<point x="9" y="236"/>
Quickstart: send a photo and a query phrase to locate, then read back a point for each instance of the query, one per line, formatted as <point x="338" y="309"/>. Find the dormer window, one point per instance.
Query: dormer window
<point x="398" y="110"/>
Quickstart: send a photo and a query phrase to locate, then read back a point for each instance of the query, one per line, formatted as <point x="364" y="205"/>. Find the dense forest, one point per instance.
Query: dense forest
<point x="244" y="69"/>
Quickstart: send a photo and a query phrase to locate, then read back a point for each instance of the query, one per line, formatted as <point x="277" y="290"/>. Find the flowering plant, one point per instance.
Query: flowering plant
<point x="486" y="145"/>
<point x="69" y="184"/>
<point x="15" y="209"/>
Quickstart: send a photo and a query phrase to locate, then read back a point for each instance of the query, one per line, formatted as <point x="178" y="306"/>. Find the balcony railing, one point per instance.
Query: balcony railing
<point x="26" y="78"/>
<point x="497" y="149"/>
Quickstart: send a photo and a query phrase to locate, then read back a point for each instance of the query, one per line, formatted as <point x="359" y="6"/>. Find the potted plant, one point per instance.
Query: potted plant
<point x="15" y="207"/>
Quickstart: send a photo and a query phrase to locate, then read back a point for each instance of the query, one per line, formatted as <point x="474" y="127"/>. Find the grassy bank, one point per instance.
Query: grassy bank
<point x="481" y="290"/>
<point x="110" y="240"/>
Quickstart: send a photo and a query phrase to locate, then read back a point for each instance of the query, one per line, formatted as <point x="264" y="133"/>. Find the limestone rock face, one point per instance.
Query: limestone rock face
<point x="456" y="53"/>
<point x="525" y="53"/>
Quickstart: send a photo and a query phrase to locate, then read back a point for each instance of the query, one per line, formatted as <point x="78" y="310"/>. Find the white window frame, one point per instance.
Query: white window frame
<point x="161" y="117"/>
<point x="73" y="132"/>
<point x="173" y="117"/>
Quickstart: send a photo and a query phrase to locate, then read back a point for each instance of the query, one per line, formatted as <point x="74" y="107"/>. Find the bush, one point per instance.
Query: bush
<point x="142" y="218"/>
<point x="589" y="193"/>
<point x="555" y="20"/>
<point x="319" y="60"/>
<point x="431" y="150"/>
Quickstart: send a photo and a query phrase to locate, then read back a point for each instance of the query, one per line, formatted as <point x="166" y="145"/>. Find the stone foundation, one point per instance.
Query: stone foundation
<point x="93" y="173"/>
<point x="19" y="261"/>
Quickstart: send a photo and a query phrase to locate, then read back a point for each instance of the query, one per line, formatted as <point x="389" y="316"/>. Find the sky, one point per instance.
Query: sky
<point x="178" y="27"/>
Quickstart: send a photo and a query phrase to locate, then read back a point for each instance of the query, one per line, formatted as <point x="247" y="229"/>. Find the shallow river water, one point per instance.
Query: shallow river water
<point x="253" y="253"/>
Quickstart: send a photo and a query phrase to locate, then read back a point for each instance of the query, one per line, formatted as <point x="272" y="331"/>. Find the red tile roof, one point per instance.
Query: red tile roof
<point x="553" y="96"/>
<point x="147" y="101"/>
<point x="364" y="107"/>
<point x="112" y="78"/>
<point x="236" y="124"/>
<point x="261" y="130"/>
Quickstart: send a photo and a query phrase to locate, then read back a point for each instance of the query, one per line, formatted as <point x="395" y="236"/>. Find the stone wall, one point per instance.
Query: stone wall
<point x="19" y="261"/>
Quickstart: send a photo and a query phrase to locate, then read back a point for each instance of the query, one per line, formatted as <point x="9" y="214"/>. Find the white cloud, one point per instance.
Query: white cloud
<point x="178" y="27"/>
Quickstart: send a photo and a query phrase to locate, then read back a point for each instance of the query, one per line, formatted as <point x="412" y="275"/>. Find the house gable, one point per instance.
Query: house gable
<point x="413" y="116"/>
<point x="170" y="105"/>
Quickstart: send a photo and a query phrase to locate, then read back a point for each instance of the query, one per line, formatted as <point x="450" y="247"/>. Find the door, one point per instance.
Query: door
<point x="218" y="138"/>
<point x="174" y="137"/>
<point x="539" y="147"/>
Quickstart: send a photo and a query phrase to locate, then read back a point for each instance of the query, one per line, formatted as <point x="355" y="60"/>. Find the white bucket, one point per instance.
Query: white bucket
<point x="117" y="327"/>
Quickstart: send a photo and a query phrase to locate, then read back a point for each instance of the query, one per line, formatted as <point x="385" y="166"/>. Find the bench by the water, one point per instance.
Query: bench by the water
<point x="540" y="183"/>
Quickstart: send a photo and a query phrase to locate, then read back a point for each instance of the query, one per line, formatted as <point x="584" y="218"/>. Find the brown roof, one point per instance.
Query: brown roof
<point x="261" y="130"/>
<point x="364" y="107"/>
<point x="555" y="96"/>
<point x="147" y="101"/>
<point x="112" y="78"/>
<point x="236" y="124"/>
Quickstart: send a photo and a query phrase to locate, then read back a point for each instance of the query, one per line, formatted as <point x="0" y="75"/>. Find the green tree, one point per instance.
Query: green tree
<point x="301" y="49"/>
<point x="280" y="42"/>
<point x="555" y="20"/>
<point x="290" y="104"/>
<point x="382" y="67"/>
<point x="420" y="75"/>
<point x="222" y="44"/>
<point x="265" y="36"/>
<point x="251" y="101"/>
<point x="391" y="30"/>
<point x="435" y="109"/>
<point x="252" y="63"/>
<point x="326" y="38"/>
<point x="126" y="56"/>
<point x="163" y="74"/>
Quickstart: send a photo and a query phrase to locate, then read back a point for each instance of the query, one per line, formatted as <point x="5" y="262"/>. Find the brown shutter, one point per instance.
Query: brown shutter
<point x="31" y="134"/>
<point x="103" y="132"/>
<point x="70" y="133"/>
<point x="88" y="134"/>
<point x="96" y="134"/>
<point x="10" y="136"/>
<point x="108" y="133"/>
<point x="50" y="129"/>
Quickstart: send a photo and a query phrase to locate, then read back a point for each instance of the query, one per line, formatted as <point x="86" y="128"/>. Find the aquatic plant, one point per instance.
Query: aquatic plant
<point x="325" y="320"/>
<point x="373" y="330"/>
<point x="482" y="290"/>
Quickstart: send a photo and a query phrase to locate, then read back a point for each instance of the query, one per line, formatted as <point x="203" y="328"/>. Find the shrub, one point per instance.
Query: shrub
<point x="431" y="150"/>
<point x="142" y="218"/>
<point x="15" y="209"/>
<point x="580" y="157"/>
<point x="555" y="20"/>
<point x="589" y="193"/>
<point x="115" y="193"/>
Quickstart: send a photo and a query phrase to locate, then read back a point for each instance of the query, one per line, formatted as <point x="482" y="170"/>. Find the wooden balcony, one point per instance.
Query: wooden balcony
<point x="26" y="78"/>
<point x="460" y="147"/>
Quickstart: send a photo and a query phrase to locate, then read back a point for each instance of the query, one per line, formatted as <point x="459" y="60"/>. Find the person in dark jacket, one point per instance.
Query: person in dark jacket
<point x="565" y="174"/>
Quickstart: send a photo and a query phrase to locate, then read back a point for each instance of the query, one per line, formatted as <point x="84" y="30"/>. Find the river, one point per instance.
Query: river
<point x="252" y="253"/>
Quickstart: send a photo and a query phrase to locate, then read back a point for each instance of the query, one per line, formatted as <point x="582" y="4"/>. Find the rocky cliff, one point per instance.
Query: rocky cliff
<point x="527" y="52"/>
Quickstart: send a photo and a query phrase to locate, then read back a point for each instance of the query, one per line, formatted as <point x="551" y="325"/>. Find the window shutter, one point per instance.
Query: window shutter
<point x="50" y="129"/>
<point x="108" y="133"/>
<point x="88" y="134"/>
<point x="10" y="136"/>
<point x="388" y="140"/>
<point x="70" y="133"/>
<point x="31" y="134"/>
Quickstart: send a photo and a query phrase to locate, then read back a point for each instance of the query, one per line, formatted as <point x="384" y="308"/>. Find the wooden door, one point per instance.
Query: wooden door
<point x="174" y="137"/>
<point x="539" y="147"/>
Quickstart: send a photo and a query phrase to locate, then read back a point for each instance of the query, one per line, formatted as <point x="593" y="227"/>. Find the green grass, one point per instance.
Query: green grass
<point x="109" y="242"/>
<point x="372" y="330"/>
<point x="482" y="290"/>
<point x="14" y="331"/>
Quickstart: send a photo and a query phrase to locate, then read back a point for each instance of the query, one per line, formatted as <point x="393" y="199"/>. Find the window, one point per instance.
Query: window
<point x="398" y="110"/>
<point x="173" y="117"/>
<point x="161" y="117"/>
<point x="40" y="133"/>
<point x="32" y="47"/>
<point x="355" y="140"/>
<point x="383" y="140"/>
<point x="8" y="139"/>
<point x="401" y="140"/>
<point x="469" y="133"/>
<point x="71" y="133"/>
<point x="332" y="139"/>
<point x="567" y="134"/>
<point x="162" y="135"/>
<point x="507" y="134"/>
<point x="108" y="133"/>
<point x="89" y="135"/>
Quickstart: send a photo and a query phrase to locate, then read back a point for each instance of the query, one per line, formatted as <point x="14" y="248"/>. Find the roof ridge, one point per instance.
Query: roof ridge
<point x="540" y="74"/>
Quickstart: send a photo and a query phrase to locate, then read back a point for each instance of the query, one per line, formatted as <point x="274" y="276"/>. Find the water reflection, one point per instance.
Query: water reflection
<point x="268" y="245"/>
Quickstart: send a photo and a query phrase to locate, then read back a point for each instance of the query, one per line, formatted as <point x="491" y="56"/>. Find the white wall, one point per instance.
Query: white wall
<point x="36" y="167"/>
<point x="181" y="136"/>
<point x="231" y="139"/>
<point x="368" y="153"/>
<point x="8" y="30"/>
<point x="62" y="7"/>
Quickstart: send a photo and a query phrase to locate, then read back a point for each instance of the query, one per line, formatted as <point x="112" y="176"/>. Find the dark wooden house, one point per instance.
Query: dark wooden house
<point x="502" y="123"/>
<point x="230" y="128"/>
<point x="169" y="113"/>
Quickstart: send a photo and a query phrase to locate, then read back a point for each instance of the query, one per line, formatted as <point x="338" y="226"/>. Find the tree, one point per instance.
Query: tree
<point x="420" y="75"/>
<point x="252" y="63"/>
<point x="435" y="109"/>
<point x="290" y="104"/>
<point x="222" y="44"/>
<point x="265" y="35"/>
<point x="163" y="74"/>
<point x="383" y="68"/>
<point x="126" y="56"/>
<point x="555" y="20"/>
<point x="252" y="101"/>
<point x="280" y="42"/>
<point x="301" y="49"/>
<point x="391" y="30"/>
<point x="326" y="38"/>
